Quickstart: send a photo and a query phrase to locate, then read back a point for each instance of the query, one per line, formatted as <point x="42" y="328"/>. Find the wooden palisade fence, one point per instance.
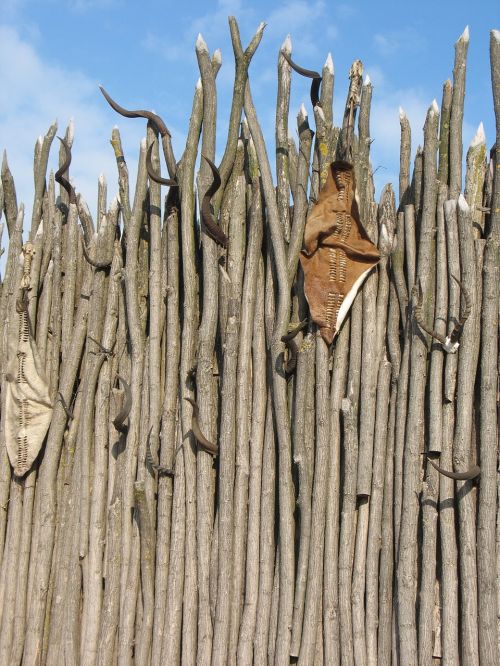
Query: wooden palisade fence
<point x="207" y="493"/>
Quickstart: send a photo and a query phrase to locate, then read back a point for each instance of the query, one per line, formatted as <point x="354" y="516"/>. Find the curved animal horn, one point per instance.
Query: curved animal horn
<point x="138" y="113"/>
<point x="471" y="473"/>
<point x="311" y="74"/>
<point x="417" y="313"/>
<point x="205" y="444"/>
<point x="454" y="335"/>
<point x="212" y="228"/>
<point x="294" y="331"/>
<point x="59" y="173"/>
<point x="99" y="265"/>
<point x="162" y="471"/>
<point x="120" y="418"/>
<point x="155" y="176"/>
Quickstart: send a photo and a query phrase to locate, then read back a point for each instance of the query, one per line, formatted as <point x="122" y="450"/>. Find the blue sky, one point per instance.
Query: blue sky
<point x="54" y="53"/>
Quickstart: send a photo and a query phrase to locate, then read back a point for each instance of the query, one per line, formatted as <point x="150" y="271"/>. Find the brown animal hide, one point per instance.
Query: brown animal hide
<point x="338" y="254"/>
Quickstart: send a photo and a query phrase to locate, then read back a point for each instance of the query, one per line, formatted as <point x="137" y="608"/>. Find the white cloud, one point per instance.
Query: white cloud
<point x="301" y="19"/>
<point x="332" y="31"/>
<point x="35" y="93"/>
<point x="346" y="11"/>
<point x="85" y="5"/>
<point x="212" y="25"/>
<point x="11" y="5"/>
<point x="407" y="39"/>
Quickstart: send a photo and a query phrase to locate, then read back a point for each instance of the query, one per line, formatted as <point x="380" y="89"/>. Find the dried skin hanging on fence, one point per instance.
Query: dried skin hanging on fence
<point x="27" y="405"/>
<point x="338" y="253"/>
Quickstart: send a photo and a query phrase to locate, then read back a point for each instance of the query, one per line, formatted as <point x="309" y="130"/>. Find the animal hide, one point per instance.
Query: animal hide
<point x="28" y="409"/>
<point x="337" y="254"/>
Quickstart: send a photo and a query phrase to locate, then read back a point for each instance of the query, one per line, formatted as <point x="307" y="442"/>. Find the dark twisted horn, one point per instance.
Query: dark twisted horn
<point x="290" y="364"/>
<point x="417" y="313"/>
<point x="104" y="350"/>
<point x="155" y="176"/>
<point x="454" y="335"/>
<point x="59" y="173"/>
<point x="471" y="473"/>
<point x="122" y="415"/>
<point x="67" y="410"/>
<point x="202" y="440"/>
<point x="99" y="265"/>
<point x="162" y="471"/>
<point x="212" y="228"/>
<point x="138" y="113"/>
<point x="311" y="74"/>
<point x="291" y="334"/>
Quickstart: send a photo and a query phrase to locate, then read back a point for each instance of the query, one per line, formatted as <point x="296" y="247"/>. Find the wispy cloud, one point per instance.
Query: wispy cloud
<point x="305" y="21"/>
<point x="390" y="43"/>
<point x="40" y="92"/>
<point x="87" y="5"/>
<point x="346" y="11"/>
<point x="213" y="26"/>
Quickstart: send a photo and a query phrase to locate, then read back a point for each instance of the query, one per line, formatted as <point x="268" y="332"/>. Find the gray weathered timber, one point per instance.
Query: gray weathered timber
<point x="404" y="160"/>
<point x="205" y="387"/>
<point x="488" y="429"/>
<point x="462" y="441"/>
<point x="126" y="542"/>
<point x="281" y="124"/>
<point x="457" y="114"/>
<point x="406" y="574"/>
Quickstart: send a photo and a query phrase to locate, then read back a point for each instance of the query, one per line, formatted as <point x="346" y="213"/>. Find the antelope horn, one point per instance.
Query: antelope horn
<point x="120" y="418"/>
<point x="155" y="176"/>
<point x="294" y="331"/>
<point x="471" y="473"/>
<point x="454" y="335"/>
<point x="290" y="364"/>
<point x="417" y="313"/>
<point x="212" y="228"/>
<point x="311" y="74"/>
<point x="99" y="265"/>
<point x="204" y="443"/>
<point x="139" y="113"/>
<point x="59" y="173"/>
<point x="162" y="471"/>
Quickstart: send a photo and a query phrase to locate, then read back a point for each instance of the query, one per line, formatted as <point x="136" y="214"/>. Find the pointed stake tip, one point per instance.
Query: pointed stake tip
<point x="287" y="45"/>
<point x="201" y="44"/>
<point x="479" y="137"/>
<point x="319" y="111"/>
<point x="462" y="203"/>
